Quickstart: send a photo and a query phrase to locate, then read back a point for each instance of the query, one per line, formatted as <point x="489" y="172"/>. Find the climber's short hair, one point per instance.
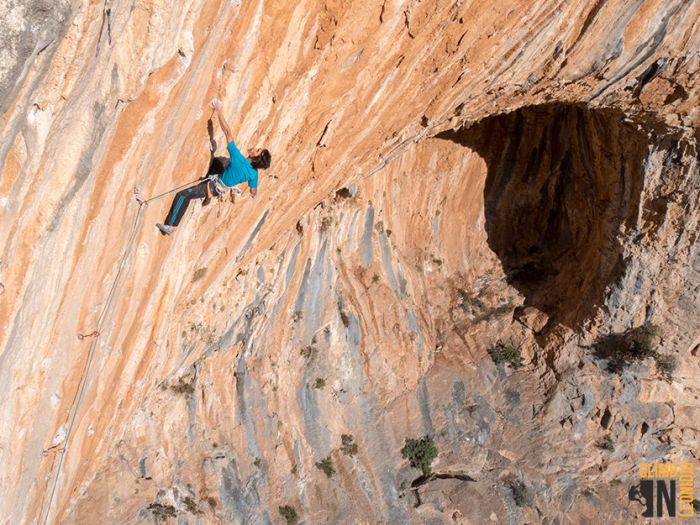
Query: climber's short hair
<point x="262" y="160"/>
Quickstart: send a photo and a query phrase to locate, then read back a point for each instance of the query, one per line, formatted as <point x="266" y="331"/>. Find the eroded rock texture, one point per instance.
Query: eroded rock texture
<point x="446" y="175"/>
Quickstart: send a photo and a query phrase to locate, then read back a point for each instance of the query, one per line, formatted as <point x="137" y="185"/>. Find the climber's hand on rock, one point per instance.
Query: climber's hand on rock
<point x="216" y="103"/>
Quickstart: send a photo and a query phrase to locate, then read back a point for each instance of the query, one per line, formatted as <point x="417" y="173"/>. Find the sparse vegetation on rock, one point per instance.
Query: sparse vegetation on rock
<point x="182" y="387"/>
<point x="636" y="344"/>
<point x="540" y="164"/>
<point x="665" y="365"/>
<point x="191" y="505"/>
<point x="198" y="274"/>
<point x="506" y="353"/>
<point x="420" y="453"/>
<point x="468" y="304"/>
<point x="161" y="512"/>
<point x="308" y="352"/>
<point x="521" y="495"/>
<point x="348" y="445"/>
<point x="326" y="465"/>
<point x="289" y="514"/>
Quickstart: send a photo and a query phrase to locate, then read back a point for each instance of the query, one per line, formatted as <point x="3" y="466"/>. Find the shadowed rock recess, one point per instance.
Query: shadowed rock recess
<point x="563" y="186"/>
<point x="467" y="291"/>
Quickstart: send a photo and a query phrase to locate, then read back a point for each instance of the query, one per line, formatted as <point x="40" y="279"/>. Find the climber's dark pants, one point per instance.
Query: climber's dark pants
<point x="182" y="201"/>
<point x="182" y="198"/>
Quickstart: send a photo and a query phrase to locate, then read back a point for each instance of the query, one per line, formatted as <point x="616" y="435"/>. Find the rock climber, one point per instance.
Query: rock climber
<point x="237" y="170"/>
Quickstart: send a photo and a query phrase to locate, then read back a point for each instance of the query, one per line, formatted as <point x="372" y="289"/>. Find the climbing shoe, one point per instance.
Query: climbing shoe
<point x="165" y="229"/>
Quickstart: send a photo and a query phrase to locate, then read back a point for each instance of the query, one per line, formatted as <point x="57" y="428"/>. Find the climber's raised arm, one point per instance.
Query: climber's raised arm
<point x="221" y="177"/>
<point x="216" y="104"/>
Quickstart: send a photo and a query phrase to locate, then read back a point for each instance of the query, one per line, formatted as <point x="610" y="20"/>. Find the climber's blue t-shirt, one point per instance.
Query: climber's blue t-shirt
<point x="239" y="169"/>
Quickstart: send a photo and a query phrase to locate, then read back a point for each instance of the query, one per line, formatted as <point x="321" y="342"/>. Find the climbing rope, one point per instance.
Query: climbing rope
<point x="78" y="399"/>
<point x="184" y="186"/>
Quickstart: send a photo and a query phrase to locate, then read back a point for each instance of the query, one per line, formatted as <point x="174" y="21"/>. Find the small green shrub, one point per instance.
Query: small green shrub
<point x="326" y="465"/>
<point x="290" y="515"/>
<point x="642" y="341"/>
<point x="666" y="365"/>
<point x="375" y="278"/>
<point x="198" y="274"/>
<point x="191" y="506"/>
<point x="309" y="352"/>
<point x="605" y="444"/>
<point x="348" y="445"/>
<point x="297" y="316"/>
<point x="696" y="505"/>
<point x="319" y="383"/>
<point x="420" y="453"/>
<point x="469" y="304"/>
<point x="162" y="512"/>
<point x="506" y="353"/>
<point x="182" y="387"/>
<point x="636" y="344"/>
<point x="521" y="495"/>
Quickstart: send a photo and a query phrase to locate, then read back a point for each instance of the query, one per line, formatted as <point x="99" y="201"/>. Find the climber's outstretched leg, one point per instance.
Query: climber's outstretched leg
<point x="182" y="199"/>
<point x="179" y="206"/>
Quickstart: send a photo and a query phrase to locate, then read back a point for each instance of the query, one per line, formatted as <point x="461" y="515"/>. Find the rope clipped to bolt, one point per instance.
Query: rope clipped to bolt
<point x="142" y="203"/>
<point x="95" y="335"/>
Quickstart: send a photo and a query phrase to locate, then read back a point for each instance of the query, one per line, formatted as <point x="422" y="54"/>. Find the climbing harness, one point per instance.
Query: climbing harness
<point x="218" y="187"/>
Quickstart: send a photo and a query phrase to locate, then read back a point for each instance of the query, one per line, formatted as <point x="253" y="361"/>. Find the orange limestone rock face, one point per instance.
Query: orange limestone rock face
<point x="467" y="291"/>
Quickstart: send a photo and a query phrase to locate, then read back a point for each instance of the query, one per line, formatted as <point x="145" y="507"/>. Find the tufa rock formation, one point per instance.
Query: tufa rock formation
<point x="480" y="226"/>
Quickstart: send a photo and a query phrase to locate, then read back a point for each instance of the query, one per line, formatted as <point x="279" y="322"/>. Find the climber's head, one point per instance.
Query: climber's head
<point x="259" y="158"/>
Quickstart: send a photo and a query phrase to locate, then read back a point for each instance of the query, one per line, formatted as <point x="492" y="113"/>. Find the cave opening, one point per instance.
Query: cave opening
<point x="562" y="189"/>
